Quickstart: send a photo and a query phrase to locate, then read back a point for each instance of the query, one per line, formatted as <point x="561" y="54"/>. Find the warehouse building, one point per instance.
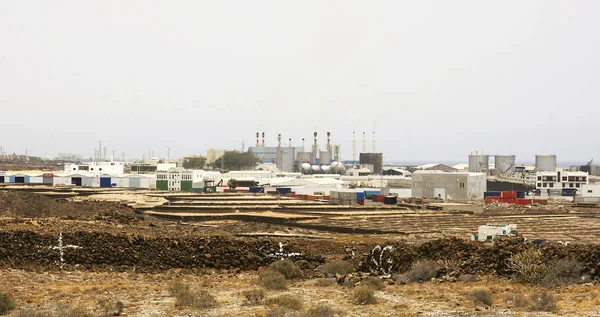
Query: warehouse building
<point x="178" y="179"/>
<point x="448" y="185"/>
<point x="97" y="168"/>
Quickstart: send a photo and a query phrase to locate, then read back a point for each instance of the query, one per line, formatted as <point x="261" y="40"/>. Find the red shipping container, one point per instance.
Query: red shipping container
<point x="540" y="201"/>
<point x="327" y="197"/>
<point x="380" y="198"/>
<point x="508" y="200"/>
<point x="523" y="201"/>
<point x="360" y="202"/>
<point x="511" y="195"/>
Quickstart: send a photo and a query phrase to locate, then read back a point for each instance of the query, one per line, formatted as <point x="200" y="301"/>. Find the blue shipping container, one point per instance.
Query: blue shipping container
<point x="105" y="182"/>
<point x="360" y="196"/>
<point x="491" y="194"/>
<point x="283" y="190"/>
<point x="369" y="193"/>
<point x="257" y="189"/>
<point x="520" y="194"/>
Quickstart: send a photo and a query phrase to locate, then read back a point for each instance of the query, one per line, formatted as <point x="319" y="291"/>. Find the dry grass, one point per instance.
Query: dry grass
<point x="364" y="295"/>
<point x="285" y="301"/>
<point x="517" y="300"/>
<point x="336" y="267"/>
<point x="543" y="302"/>
<point x="325" y="282"/>
<point x="422" y="269"/>
<point x="254" y="296"/>
<point x="287" y="268"/>
<point x="187" y="298"/>
<point x="272" y="280"/>
<point x="320" y="311"/>
<point x="482" y="296"/>
<point x="373" y="282"/>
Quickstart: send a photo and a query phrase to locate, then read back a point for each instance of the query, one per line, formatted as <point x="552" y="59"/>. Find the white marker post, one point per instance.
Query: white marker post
<point x="62" y="248"/>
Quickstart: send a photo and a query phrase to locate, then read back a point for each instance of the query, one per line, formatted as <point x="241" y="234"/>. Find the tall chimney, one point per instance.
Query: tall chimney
<point x="364" y="147"/>
<point x="302" y="144"/>
<point x="373" y="142"/>
<point x="290" y="142"/>
<point x="315" y="149"/>
<point x="263" y="139"/>
<point x="257" y="138"/>
<point x="353" y="146"/>
<point x="329" y="142"/>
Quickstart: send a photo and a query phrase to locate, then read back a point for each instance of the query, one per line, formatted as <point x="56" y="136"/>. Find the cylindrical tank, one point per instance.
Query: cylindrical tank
<point x="316" y="169"/>
<point x="287" y="159"/>
<point x="304" y="157"/>
<point x="325" y="157"/>
<point x="337" y="168"/>
<point x="479" y="163"/>
<point x="325" y="169"/>
<point x="545" y="163"/>
<point x="306" y="168"/>
<point x="504" y="164"/>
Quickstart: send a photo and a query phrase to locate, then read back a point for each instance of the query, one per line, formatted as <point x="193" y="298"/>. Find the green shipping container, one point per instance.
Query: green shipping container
<point x="162" y="185"/>
<point x="186" y="185"/>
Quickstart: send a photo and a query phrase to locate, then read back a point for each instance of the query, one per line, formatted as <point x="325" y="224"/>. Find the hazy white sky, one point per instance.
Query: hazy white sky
<point x="435" y="79"/>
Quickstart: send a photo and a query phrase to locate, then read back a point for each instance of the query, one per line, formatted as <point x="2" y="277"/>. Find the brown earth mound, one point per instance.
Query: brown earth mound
<point x="29" y="205"/>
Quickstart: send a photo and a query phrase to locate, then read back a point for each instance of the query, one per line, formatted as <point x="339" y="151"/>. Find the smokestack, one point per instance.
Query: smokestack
<point x="364" y="147"/>
<point x="257" y="138"/>
<point x="373" y="142"/>
<point x="329" y="142"/>
<point x="263" y="139"/>
<point x="315" y="148"/>
<point x="290" y="142"/>
<point x="279" y="140"/>
<point x="302" y="144"/>
<point x="353" y="146"/>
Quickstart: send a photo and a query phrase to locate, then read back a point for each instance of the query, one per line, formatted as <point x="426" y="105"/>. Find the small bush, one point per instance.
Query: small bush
<point x="481" y="296"/>
<point x="563" y="272"/>
<point x="337" y="267"/>
<point x="287" y="268"/>
<point x="31" y="313"/>
<point x="517" y="300"/>
<point x="189" y="298"/>
<point x="325" y="282"/>
<point x="272" y="280"/>
<point x="254" y="296"/>
<point x="286" y="300"/>
<point x="7" y="303"/>
<point x="373" y="282"/>
<point x="283" y="312"/>
<point x="111" y="308"/>
<point x="364" y="295"/>
<point x="423" y="269"/>
<point x="66" y="311"/>
<point x="543" y="302"/>
<point x="529" y="266"/>
<point x="320" y="310"/>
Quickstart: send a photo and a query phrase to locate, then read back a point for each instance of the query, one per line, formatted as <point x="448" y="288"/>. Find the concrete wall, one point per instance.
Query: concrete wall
<point x="590" y="191"/>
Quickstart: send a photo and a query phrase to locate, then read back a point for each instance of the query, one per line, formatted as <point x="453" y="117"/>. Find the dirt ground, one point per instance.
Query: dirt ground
<point x="148" y="294"/>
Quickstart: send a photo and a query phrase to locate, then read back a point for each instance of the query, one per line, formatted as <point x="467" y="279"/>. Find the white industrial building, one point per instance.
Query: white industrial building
<point x="97" y="168"/>
<point x="448" y="185"/>
<point x="150" y="168"/>
<point x="561" y="179"/>
<point x="590" y="190"/>
<point x="490" y="232"/>
<point x="175" y="177"/>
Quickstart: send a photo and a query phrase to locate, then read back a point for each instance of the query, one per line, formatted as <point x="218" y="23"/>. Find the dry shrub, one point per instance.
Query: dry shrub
<point x="7" y="303"/>
<point x="188" y="298"/>
<point x="287" y="268"/>
<point x="325" y="282"/>
<point x="320" y="310"/>
<point x="283" y="312"/>
<point x="424" y="269"/>
<point x="543" y="302"/>
<point x="66" y="311"/>
<point x="60" y="311"/>
<point x="31" y="313"/>
<point x="517" y="300"/>
<point x="563" y="272"/>
<point x="254" y="296"/>
<point x="337" y="267"/>
<point x="110" y="308"/>
<point x="482" y="296"/>
<point x="364" y="295"/>
<point x="272" y="280"/>
<point x="373" y="282"/>
<point x="529" y="266"/>
<point x="286" y="301"/>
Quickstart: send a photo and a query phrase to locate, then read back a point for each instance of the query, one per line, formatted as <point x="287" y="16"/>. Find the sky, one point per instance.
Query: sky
<point x="435" y="80"/>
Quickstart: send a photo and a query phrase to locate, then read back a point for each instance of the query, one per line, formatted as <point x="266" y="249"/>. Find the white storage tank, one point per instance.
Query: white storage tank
<point x="504" y="164"/>
<point x="325" y="157"/>
<point x="337" y="168"/>
<point x="479" y="163"/>
<point x="305" y="168"/>
<point x="316" y="169"/>
<point x="545" y="163"/>
<point x="287" y="159"/>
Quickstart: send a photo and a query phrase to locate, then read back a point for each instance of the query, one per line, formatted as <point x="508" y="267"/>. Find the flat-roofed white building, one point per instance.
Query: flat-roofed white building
<point x="546" y="181"/>
<point x="448" y="185"/>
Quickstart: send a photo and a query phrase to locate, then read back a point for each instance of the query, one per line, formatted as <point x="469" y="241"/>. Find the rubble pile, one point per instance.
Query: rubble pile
<point x="471" y="257"/>
<point x="31" y="205"/>
<point x="95" y="250"/>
